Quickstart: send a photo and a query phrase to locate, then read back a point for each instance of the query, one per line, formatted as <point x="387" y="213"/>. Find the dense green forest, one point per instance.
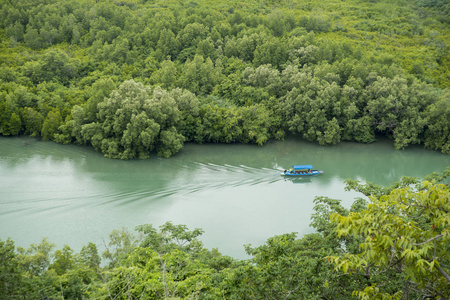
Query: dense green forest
<point x="135" y="78"/>
<point x="392" y="244"/>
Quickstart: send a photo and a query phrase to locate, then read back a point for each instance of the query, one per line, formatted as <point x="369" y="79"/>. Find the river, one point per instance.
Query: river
<point x="73" y="195"/>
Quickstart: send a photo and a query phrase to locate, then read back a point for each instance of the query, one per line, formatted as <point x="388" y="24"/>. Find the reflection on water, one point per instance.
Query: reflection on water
<point x="235" y="193"/>
<point x="298" y="179"/>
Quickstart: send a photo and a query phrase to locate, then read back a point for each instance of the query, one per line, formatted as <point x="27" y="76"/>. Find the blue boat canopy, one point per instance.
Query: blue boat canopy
<point x="302" y="167"/>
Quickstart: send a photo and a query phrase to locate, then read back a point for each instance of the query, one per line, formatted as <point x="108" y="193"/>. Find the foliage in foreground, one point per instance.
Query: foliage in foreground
<point x="224" y="71"/>
<point x="395" y="245"/>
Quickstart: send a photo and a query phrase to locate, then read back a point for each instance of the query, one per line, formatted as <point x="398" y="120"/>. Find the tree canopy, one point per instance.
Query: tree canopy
<point x="251" y="71"/>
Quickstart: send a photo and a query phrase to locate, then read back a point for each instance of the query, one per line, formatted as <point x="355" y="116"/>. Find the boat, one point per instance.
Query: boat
<point x="301" y="170"/>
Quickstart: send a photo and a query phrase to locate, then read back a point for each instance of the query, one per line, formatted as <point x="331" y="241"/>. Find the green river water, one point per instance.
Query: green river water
<point x="73" y="195"/>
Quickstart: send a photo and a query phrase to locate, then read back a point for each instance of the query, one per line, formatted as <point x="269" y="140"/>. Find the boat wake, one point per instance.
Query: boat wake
<point x="103" y="190"/>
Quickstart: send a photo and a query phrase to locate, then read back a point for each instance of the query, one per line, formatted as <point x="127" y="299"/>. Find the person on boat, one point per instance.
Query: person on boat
<point x="285" y="171"/>
<point x="309" y="171"/>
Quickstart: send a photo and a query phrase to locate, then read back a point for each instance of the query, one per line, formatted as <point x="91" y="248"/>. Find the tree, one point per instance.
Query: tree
<point x="275" y="270"/>
<point x="189" y="107"/>
<point x="33" y="121"/>
<point x="271" y="52"/>
<point x="312" y="109"/>
<point x="199" y="75"/>
<point x="256" y="124"/>
<point x="51" y="124"/>
<point x="54" y="65"/>
<point x="170" y="237"/>
<point x="166" y="76"/>
<point x="361" y="130"/>
<point x="37" y="258"/>
<point x="63" y="260"/>
<point x="386" y="102"/>
<point x="32" y="38"/>
<point x="405" y="232"/>
<point x="133" y="121"/>
<point x="167" y="45"/>
<point x="10" y="122"/>
<point x="171" y="142"/>
<point x="89" y="256"/>
<point x="15" y="124"/>
<point x="206" y="49"/>
<point x="100" y="89"/>
<point x="263" y="76"/>
<point x="120" y="245"/>
<point x="437" y="133"/>
<point x="168" y="263"/>
<point x="10" y="271"/>
<point x="38" y="280"/>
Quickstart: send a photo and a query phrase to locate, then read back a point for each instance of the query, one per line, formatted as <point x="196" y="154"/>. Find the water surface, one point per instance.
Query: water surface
<point x="73" y="195"/>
